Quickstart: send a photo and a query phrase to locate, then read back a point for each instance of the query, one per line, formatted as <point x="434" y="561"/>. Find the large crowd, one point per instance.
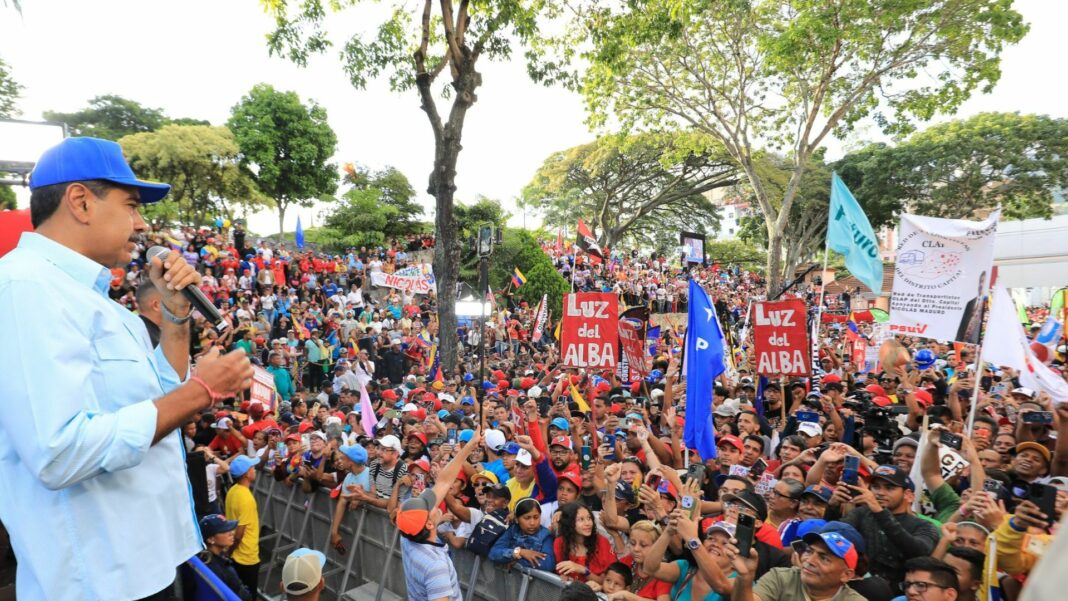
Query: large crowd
<point x="815" y="492"/>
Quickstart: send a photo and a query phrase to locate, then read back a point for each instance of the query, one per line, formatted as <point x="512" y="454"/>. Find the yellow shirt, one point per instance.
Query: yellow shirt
<point x="519" y="492"/>
<point x="241" y="506"/>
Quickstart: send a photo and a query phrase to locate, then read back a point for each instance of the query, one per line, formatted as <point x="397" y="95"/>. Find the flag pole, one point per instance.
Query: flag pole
<point x="816" y="377"/>
<point x="978" y="378"/>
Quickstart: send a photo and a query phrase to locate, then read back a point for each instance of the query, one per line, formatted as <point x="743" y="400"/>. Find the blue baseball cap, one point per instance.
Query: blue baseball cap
<point x="355" y="453"/>
<point x="81" y="159"/>
<point x="512" y="448"/>
<point x="465" y="435"/>
<point x="837" y="544"/>
<point x="442" y="414"/>
<point x="216" y="523"/>
<point x="467" y="401"/>
<point x="849" y="532"/>
<point x="561" y="423"/>
<point x="242" y="464"/>
<point x="822" y="493"/>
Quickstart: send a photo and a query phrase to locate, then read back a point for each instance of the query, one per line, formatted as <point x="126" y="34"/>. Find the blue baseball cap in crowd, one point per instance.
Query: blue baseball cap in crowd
<point x="469" y="377"/>
<point x="355" y="453"/>
<point x="849" y="532"/>
<point x="242" y="464"/>
<point x="838" y="544"/>
<point x="561" y="423"/>
<point x="81" y="159"/>
<point x="442" y="414"/>
<point x="467" y="401"/>
<point x="465" y="435"/>
<point x="512" y="448"/>
<point x="823" y="493"/>
<point x="216" y="523"/>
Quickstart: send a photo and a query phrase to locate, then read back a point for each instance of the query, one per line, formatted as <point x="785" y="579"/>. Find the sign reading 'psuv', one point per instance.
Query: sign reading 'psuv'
<point x="780" y="335"/>
<point x="588" y="335"/>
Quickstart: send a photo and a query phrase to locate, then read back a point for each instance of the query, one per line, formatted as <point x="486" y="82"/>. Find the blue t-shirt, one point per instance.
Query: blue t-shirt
<point x="687" y="590"/>
<point x="361" y="479"/>
<point x="497" y="467"/>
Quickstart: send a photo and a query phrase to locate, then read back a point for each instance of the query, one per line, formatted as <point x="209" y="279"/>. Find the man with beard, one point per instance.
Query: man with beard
<point x="561" y="456"/>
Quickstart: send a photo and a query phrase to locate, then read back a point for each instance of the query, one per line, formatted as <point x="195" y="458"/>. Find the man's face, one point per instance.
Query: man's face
<point x="751" y="454"/>
<point x="811" y="508"/>
<point x="772" y="396"/>
<point x="964" y="574"/>
<point x="969" y="537"/>
<point x="729" y="455"/>
<point x="317" y="445"/>
<point x="990" y="459"/>
<point x="747" y="423"/>
<point x="923" y="579"/>
<point x="822" y="570"/>
<point x="1004" y="444"/>
<point x="889" y="496"/>
<point x="1029" y="464"/>
<point x="115" y="221"/>
<point x="559" y="456"/>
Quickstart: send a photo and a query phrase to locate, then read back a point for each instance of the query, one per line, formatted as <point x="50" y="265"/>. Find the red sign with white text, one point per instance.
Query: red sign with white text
<point x="588" y="336"/>
<point x="780" y="335"/>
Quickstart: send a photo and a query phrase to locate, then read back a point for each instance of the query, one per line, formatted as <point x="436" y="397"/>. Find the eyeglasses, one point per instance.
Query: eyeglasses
<point x="921" y="586"/>
<point x="780" y="495"/>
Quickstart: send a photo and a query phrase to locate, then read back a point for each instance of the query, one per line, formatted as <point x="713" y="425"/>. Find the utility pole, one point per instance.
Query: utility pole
<point x="488" y="236"/>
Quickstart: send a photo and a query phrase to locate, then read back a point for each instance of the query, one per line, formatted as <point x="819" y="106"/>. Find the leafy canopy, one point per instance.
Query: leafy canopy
<point x="287" y="145"/>
<point x="633" y="187"/>
<point x="200" y="162"/>
<point x="111" y="117"/>
<point x="965" y="168"/>
<point x="378" y="206"/>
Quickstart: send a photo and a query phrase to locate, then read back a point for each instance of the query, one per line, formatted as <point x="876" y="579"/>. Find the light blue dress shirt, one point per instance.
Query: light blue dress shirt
<point x="94" y="510"/>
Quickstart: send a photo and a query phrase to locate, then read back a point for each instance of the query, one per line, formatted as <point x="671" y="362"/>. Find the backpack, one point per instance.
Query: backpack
<point x="376" y="469"/>
<point x="487" y="532"/>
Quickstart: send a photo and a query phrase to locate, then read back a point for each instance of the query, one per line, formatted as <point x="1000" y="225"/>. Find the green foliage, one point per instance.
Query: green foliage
<point x="200" y="162"/>
<point x="468" y="220"/>
<point x="635" y="188"/>
<point x="520" y="249"/>
<point x="7" y="198"/>
<point x="112" y="117"/>
<point x="727" y="252"/>
<point x="9" y="91"/>
<point x="287" y="145"/>
<point x="781" y="75"/>
<point x="964" y="168"/>
<point x="387" y="191"/>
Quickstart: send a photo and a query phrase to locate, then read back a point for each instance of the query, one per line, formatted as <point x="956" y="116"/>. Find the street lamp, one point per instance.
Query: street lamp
<point x="487" y="237"/>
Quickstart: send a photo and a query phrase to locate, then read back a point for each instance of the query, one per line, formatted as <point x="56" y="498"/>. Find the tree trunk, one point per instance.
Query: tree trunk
<point x="774" y="275"/>
<point x="443" y="188"/>
<point x="281" y="222"/>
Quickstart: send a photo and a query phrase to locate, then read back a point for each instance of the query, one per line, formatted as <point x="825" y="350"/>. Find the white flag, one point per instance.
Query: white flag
<point x="1007" y="345"/>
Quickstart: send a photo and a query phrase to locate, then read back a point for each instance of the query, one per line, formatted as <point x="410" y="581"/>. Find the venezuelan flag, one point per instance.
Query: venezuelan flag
<point x="518" y="279"/>
<point x="432" y="358"/>
<point x="577" y="397"/>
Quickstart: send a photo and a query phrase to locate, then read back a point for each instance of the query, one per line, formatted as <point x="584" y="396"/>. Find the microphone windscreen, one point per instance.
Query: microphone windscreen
<point x="157" y="251"/>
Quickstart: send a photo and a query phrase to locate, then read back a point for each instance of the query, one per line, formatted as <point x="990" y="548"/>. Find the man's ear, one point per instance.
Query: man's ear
<point x="78" y="201"/>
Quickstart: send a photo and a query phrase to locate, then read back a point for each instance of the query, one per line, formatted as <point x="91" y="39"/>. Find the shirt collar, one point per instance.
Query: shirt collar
<point x="78" y="266"/>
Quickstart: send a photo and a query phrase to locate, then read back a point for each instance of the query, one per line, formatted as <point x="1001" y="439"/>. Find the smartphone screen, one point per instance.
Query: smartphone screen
<point x="950" y="439"/>
<point x="654" y="481"/>
<point x="851" y="470"/>
<point x="744" y="533"/>
<point x="452" y="436"/>
<point x="758" y="469"/>
<point x="586" y="457"/>
<point x="808" y="416"/>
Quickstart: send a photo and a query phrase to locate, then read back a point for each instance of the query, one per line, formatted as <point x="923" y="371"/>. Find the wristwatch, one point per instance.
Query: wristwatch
<point x="515" y="553"/>
<point x="693" y="544"/>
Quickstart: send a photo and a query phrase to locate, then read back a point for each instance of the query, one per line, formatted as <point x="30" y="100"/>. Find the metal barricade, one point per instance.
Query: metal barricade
<point x="372" y="568"/>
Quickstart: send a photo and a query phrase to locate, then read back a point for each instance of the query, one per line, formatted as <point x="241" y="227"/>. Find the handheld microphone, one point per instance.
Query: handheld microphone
<point x="193" y="294"/>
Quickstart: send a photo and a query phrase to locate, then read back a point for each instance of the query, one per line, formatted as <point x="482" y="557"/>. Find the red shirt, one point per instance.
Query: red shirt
<point x="653" y="588"/>
<point x="228" y="444"/>
<point x="603" y="557"/>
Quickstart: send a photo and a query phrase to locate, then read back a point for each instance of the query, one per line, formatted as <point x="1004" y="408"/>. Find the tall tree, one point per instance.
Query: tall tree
<point x="965" y="168"/>
<point x="632" y="186"/>
<point x="112" y="117"/>
<point x="287" y="145"/>
<point x="9" y="92"/>
<point x="201" y="163"/>
<point x="783" y="75"/>
<point x="413" y="48"/>
<point x="379" y="205"/>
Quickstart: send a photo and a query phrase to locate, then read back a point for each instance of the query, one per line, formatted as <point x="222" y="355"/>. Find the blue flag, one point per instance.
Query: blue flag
<point x="704" y="361"/>
<point x="299" y="236"/>
<point x="652" y="336"/>
<point x="849" y="233"/>
<point x="758" y="401"/>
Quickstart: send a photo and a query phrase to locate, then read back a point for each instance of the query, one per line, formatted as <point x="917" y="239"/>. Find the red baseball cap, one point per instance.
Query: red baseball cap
<point x="831" y="379"/>
<point x="571" y="477"/>
<point x="389" y="394"/>
<point x="422" y="438"/>
<point x="732" y="440"/>
<point x="419" y="414"/>
<point x="526" y="383"/>
<point x="305" y="426"/>
<point x="923" y="397"/>
<point x="502" y="383"/>
<point x="875" y="389"/>
<point x="422" y="463"/>
<point x="881" y="401"/>
<point x="561" y="441"/>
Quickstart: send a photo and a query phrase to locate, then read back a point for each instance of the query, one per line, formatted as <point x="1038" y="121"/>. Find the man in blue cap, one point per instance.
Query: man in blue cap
<point x="96" y="448"/>
<point x="241" y="506"/>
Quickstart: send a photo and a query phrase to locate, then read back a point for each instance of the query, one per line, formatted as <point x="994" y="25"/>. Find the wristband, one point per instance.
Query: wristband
<point x="1012" y="524"/>
<point x="211" y="393"/>
<point x="171" y="317"/>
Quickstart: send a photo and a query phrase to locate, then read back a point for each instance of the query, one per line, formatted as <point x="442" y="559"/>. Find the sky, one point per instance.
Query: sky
<point x="196" y="59"/>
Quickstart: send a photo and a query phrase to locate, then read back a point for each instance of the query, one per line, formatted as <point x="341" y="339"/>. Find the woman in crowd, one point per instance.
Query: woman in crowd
<point x="581" y="553"/>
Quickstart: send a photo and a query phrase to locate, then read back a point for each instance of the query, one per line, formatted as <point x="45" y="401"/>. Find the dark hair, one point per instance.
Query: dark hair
<point x="941" y="572"/>
<point x="975" y="559"/>
<point x="525" y="506"/>
<point x="797" y="488"/>
<point x="45" y="200"/>
<point x="578" y="591"/>
<point x="793" y="440"/>
<point x="758" y="439"/>
<point x="568" y="532"/>
<point x="621" y="568"/>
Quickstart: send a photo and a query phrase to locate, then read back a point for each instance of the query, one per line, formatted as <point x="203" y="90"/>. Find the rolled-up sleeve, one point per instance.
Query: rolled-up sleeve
<point x="53" y="417"/>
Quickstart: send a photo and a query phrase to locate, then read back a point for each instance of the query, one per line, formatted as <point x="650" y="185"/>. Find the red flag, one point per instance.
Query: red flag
<point x="560" y="241"/>
<point x="588" y="243"/>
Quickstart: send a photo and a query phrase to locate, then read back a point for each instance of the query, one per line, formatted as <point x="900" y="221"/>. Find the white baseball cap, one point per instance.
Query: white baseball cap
<point x="534" y="391"/>
<point x="390" y="441"/>
<point x="1027" y="392"/>
<point x="523" y="457"/>
<point x="222" y="424"/>
<point x="409" y="407"/>
<point x="494" y="440"/>
<point x="810" y="429"/>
